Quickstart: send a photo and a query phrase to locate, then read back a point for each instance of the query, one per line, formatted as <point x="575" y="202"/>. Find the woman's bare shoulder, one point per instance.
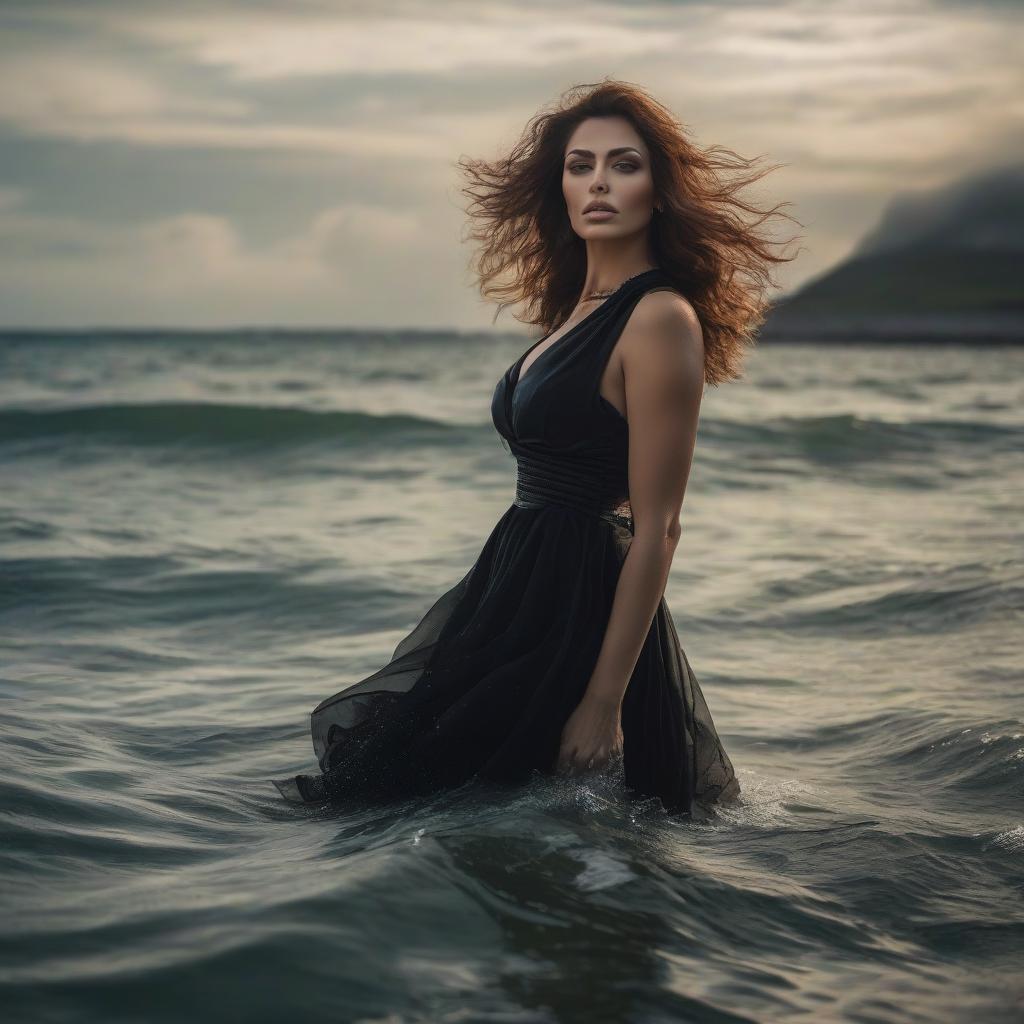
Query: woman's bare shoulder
<point x="662" y="318"/>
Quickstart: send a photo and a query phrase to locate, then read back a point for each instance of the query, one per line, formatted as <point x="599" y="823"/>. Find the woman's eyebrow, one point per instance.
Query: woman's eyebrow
<point x="611" y="152"/>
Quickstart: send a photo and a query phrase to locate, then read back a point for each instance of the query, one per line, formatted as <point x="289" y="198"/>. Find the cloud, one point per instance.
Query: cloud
<point x="197" y="268"/>
<point x="10" y="198"/>
<point x="278" y="44"/>
<point x="66" y="97"/>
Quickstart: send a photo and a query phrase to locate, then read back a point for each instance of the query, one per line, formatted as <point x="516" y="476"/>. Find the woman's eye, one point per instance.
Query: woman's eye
<point x="621" y="163"/>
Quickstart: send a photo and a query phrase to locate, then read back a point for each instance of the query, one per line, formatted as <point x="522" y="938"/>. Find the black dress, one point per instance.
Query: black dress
<point x="484" y="683"/>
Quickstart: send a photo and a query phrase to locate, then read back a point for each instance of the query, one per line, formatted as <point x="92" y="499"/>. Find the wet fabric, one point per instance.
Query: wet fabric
<point x="484" y="683"/>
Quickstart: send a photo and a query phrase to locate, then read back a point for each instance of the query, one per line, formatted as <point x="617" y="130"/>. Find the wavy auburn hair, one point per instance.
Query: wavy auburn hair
<point x="700" y="239"/>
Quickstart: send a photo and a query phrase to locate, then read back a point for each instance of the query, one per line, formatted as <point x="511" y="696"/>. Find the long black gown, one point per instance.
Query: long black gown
<point x="484" y="683"/>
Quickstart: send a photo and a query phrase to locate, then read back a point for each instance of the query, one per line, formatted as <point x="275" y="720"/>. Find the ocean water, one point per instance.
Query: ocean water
<point x="202" y="535"/>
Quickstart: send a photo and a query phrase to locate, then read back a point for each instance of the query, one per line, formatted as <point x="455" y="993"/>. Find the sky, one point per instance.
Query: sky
<point x="294" y="164"/>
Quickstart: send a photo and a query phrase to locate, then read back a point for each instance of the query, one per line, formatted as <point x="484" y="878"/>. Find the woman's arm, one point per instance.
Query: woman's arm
<point x="663" y="365"/>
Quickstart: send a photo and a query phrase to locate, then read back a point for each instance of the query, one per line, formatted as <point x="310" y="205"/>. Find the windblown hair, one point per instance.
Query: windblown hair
<point x="700" y="239"/>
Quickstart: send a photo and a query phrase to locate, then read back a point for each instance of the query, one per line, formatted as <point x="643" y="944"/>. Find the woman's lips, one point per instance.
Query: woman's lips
<point x="601" y="214"/>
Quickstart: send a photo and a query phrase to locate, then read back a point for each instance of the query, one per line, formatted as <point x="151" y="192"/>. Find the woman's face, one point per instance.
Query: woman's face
<point x="607" y="161"/>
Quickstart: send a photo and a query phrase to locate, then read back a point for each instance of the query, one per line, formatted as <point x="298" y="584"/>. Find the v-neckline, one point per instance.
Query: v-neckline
<point x="518" y="365"/>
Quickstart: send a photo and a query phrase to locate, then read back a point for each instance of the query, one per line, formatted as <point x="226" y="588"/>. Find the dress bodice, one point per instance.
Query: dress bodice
<point x="570" y="443"/>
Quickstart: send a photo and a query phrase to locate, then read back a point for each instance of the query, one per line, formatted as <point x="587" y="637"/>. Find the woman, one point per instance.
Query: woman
<point x="556" y="652"/>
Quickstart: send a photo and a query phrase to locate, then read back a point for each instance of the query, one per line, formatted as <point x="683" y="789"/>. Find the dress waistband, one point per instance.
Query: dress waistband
<point x="539" y="485"/>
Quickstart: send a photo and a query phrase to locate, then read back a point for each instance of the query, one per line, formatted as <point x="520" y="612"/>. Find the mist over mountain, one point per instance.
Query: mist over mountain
<point x="945" y="264"/>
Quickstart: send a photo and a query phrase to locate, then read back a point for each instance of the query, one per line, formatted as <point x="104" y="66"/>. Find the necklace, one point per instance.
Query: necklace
<point x="611" y="291"/>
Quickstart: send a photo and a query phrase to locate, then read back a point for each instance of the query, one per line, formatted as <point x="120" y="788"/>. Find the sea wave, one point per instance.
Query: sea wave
<point x="209" y="423"/>
<point x="857" y="438"/>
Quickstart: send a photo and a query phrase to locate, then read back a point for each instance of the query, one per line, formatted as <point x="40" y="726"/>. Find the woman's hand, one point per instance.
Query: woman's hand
<point x="592" y="735"/>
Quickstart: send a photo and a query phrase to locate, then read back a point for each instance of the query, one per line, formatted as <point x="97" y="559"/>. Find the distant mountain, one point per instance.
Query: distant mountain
<point x="948" y="264"/>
